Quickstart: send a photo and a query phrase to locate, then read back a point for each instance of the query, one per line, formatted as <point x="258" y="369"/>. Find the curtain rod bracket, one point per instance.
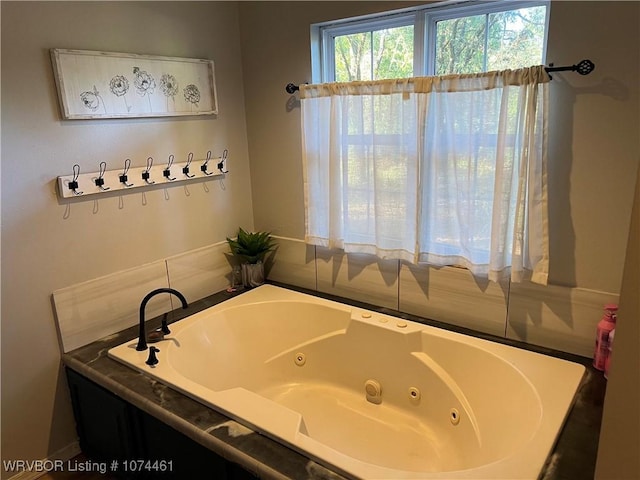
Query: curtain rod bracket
<point x="585" y="67"/>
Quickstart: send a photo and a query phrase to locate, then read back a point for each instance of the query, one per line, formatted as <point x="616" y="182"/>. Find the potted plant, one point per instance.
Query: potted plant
<point x="251" y="248"/>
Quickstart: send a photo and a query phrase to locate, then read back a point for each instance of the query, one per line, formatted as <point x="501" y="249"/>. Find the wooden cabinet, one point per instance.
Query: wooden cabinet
<point x="112" y="429"/>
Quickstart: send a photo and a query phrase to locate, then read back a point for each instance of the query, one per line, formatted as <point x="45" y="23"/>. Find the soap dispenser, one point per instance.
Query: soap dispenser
<point x="606" y="324"/>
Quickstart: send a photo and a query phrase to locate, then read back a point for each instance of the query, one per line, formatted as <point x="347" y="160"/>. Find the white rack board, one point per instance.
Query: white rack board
<point x="215" y="167"/>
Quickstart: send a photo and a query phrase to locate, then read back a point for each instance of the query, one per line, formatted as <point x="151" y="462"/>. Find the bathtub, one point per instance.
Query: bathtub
<point x="369" y="395"/>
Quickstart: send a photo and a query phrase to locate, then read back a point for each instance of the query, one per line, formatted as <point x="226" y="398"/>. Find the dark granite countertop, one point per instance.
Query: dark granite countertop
<point x="573" y="458"/>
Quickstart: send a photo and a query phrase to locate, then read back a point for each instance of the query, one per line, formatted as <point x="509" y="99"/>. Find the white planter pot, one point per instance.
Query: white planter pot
<point x="252" y="274"/>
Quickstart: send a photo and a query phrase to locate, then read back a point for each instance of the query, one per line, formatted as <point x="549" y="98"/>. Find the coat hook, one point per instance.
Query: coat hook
<point x="147" y="173"/>
<point x="167" y="171"/>
<point x="203" y="167"/>
<point x="73" y="184"/>
<point x="123" y="177"/>
<point x="185" y="169"/>
<point x="100" y="180"/>
<point x="222" y="161"/>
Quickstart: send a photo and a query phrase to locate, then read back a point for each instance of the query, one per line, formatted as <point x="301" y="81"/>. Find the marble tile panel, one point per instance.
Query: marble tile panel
<point x="453" y="295"/>
<point x="201" y="272"/>
<point x="91" y="310"/>
<point x="361" y="277"/>
<point x="558" y="317"/>
<point x="293" y="263"/>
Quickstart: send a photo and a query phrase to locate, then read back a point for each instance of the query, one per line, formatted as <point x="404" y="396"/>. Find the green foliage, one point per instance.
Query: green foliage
<point x="513" y="40"/>
<point x="251" y="247"/>
<point x="374" y="55"/>
<point x="472" y="44"/>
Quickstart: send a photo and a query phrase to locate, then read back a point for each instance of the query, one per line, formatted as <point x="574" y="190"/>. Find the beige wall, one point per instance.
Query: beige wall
<point x="593" y="128"/>
<point x="594" y="140"/>
<point x="46" y="244"/>
<point x="620" y="435"/>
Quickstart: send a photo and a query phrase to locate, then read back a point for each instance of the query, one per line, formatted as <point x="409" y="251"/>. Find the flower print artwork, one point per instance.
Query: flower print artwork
<point x="144" y="83"/>
<point x="119" y="86"/>
<point x="94" y="84"/>
<point x="192" y="94"/>
<point x="92" y="99"/>
<point x="169" y="87"/>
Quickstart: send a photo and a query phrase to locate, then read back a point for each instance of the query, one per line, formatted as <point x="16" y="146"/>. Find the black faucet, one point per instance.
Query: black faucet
<point x="142" y="340"/>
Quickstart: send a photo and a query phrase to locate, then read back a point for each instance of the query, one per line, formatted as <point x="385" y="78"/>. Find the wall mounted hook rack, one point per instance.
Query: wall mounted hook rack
<point x="129" y="179"/>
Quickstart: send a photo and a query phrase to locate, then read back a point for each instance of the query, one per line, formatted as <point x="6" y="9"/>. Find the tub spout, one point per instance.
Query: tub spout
<point x="142" y="337"/>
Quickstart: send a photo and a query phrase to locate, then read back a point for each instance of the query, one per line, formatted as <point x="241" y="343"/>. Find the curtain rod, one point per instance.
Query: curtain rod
<point x="585" y="67"/>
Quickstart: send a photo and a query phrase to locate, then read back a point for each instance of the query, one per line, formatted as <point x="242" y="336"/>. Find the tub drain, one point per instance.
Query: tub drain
<point x="300" y="359"/>
<point x="454" y="416"/>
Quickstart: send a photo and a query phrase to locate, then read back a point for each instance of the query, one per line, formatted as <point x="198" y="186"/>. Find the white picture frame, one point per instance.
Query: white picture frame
<point x="96" y="85"/>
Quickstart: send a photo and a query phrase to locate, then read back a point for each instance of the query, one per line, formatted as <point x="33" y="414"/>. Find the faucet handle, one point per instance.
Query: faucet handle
<point x="152" y="360"/>
<point x="165" y="328"/>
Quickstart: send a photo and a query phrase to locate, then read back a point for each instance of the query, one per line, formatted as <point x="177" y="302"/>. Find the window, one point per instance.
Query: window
<point x="433" y="40"/>
<point x="431" y="170"/>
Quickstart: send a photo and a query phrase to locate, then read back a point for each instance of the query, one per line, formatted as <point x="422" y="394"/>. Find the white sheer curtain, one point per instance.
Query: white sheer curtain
<point x="443" y="170"/>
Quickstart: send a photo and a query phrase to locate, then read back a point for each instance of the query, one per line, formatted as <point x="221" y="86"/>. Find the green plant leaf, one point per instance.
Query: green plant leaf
<point x="251" y="247"/>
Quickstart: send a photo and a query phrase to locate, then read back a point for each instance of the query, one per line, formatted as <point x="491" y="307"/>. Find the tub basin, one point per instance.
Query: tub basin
<point x="366" y="394"/>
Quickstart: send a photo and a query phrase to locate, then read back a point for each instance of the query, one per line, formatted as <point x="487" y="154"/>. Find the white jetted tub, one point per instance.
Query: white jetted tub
<point x="370" y="395"/>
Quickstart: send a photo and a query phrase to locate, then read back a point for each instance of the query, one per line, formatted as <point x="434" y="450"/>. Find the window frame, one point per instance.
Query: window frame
<point x="424" y="20"/>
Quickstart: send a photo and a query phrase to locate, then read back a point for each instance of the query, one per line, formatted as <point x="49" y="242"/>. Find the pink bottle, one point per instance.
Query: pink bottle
<point x="605" y="325"/>
<point x="607" y="363"/>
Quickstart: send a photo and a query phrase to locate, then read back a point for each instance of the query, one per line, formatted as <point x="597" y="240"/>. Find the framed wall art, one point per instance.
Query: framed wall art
<point x="122" y="85"/>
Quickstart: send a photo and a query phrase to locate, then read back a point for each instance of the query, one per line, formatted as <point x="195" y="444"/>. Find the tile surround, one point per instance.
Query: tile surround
<point x="556" y="317"/>
<point x="91" y="310"/>
<point x="201" y="272"/>
<point x="294" y="262"/>
<point x="453" y="295"/>
<point x="365" y="278"/>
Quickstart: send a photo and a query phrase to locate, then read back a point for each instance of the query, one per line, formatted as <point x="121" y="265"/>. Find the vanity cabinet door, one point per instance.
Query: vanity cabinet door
<point x="188" y="459"/>
<point x="112" y="429"/>
<point x="105" y="423"/>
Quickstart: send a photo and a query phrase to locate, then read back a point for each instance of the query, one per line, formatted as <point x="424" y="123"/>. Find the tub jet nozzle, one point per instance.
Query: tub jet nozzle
<point x="373" y="390"/>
